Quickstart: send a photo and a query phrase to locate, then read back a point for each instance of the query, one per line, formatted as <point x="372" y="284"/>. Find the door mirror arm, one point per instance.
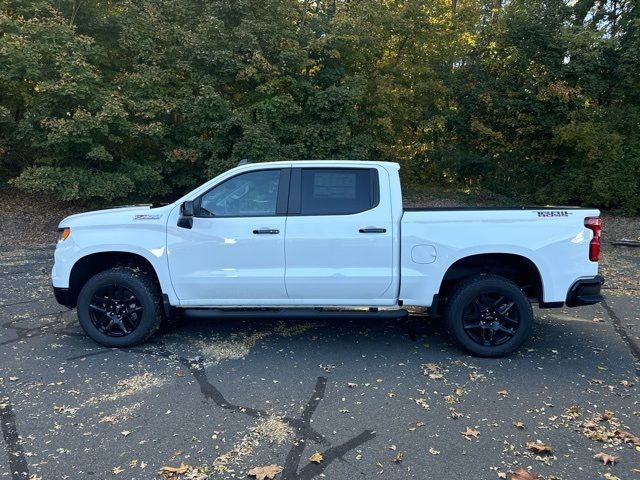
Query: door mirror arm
<point x="187" y="212"/>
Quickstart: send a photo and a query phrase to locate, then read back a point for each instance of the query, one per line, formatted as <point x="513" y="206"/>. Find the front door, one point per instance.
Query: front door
<point x="234" y="253"/>
<point x="339" y="245"/>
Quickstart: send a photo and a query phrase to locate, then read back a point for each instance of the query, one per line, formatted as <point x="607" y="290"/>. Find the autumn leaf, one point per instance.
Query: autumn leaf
<point x="539" y="447"/>
<point x="606" y="416"/>
<point x="470" y="432"/>
<point x="179" y="470"/>
<point x="605" y="458"/>
<point x="316" y="457"/>
<point x="522" y="474"/>
<point x="518" y="424"/>
<point x="117" y="470"/>
<point x="503" y="393"/>
<point x="265" y="472"/>
<point x="398" y="457"/>
<point x="627" y="437"/>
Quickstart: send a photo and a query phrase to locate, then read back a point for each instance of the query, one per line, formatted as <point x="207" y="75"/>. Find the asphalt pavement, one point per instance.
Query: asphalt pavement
<point x="364" y="398"/>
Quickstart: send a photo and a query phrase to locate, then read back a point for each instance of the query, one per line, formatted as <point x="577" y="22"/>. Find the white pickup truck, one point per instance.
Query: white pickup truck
<point x="303" y="237"/>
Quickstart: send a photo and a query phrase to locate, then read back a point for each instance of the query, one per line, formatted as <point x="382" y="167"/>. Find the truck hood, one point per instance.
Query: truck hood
<point x="117" y="215"/>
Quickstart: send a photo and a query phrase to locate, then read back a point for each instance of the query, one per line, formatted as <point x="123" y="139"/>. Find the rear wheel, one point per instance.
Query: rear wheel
<point x="120" y="307"/>
<point x="488" y="315"/>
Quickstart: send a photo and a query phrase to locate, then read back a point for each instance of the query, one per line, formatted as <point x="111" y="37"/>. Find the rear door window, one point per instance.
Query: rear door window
<point x="337" y="191"/>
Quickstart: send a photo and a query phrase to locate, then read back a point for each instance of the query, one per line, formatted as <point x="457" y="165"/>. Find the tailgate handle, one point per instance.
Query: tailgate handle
<point x="266" y="231"/>
<point x="373" y="230"/>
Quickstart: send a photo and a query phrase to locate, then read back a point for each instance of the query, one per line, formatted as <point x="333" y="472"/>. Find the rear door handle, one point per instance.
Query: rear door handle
<point x="266" y="231"/>
<point x="372" y="230"/>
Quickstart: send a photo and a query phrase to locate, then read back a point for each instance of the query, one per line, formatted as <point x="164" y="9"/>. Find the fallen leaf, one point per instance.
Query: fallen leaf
<point x="611" y="476"/>
<point x="503" y="393"/>
<point x="117" y="470"/>
<point x="398" y="457"/>
<point x="179" y="470"/>
<point x="454" y="413"/>
<point x="433" y="451"/>
<point x="605" y="458"/>
<point x="518" y="424"/>
<point x="316" y="457"/>
<point x="125" y="433"/>
<point x="265" y="472"/>
<point x="626" y="383"/>
<point x="627" y="437"/>
<point x="539" y="447"/>
<point x="606" y="416"/>
<point x="470" y="432"/>
<point x="522" y="474"/>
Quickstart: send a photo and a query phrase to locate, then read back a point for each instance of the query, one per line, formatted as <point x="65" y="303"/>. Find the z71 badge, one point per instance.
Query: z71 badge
<point x="148" y="217"/>
<point x="553" y="213"/>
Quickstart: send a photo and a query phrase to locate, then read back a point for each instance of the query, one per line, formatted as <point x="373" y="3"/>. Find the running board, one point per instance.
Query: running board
<point x="292" y="313"/>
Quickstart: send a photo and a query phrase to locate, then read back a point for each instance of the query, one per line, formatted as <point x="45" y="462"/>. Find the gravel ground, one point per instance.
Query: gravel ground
<point x="375" y="399"/>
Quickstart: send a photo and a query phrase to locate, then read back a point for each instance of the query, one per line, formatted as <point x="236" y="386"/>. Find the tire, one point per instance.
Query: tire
<point x="488" y="315"/>
<point x="120" y="307"/>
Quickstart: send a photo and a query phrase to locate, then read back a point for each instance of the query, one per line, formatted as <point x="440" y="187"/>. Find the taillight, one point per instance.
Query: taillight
<point x="595" y="225"/>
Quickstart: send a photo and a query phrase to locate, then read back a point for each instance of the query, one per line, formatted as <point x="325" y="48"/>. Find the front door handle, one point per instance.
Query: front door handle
<point x="266" y="231"/>
<point x="372" y="230"/>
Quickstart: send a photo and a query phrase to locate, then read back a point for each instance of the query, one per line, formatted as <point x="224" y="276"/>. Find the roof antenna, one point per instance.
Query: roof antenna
<point x="244" y="161"/>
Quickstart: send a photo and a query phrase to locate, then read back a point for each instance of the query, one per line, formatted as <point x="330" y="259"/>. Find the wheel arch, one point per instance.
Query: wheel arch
<point x="518" y="268"/>
<point x="91" y="264"/>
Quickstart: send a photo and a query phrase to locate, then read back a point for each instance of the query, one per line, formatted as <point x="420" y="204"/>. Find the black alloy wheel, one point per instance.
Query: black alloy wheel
<point x="491" y="319"/>
<point x="488" y="315"/>
<point x="115" y="311"/>
<point x="120" y="307"/>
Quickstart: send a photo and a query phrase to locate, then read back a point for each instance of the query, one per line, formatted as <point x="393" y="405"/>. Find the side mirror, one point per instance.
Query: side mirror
<point x="187" y="211"/>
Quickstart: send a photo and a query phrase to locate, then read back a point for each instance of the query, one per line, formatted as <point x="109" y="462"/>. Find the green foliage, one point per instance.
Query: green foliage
<point x="130" y="99"/>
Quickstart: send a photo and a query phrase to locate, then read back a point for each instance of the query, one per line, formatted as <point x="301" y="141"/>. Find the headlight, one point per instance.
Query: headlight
<point x="63" y="234"/>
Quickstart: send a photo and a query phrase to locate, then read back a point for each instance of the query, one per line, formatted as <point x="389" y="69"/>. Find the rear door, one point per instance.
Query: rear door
<point x="339" y="240"/>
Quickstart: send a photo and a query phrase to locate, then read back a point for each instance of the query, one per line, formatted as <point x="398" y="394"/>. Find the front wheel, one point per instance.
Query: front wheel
<point x="488" y="315"/>
<point x="120" y="307"/>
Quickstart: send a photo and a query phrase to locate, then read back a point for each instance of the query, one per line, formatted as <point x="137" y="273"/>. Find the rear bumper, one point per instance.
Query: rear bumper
<point x="63" y="297"/>
<point x="585" y="292"/>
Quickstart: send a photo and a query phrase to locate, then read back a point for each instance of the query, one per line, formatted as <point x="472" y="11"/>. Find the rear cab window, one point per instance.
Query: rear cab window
<point x="333" y="191"/>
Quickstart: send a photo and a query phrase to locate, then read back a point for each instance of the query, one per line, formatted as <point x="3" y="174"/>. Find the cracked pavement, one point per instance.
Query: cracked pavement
<point x="356" y="391"/>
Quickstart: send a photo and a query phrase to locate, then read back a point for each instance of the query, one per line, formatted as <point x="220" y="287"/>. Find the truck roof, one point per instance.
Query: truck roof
<point x="300" y="163"/>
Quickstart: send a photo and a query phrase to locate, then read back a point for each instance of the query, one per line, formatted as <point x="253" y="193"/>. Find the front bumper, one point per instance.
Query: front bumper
<point x="63" y="297"/>
<point x="585" y="292"/>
